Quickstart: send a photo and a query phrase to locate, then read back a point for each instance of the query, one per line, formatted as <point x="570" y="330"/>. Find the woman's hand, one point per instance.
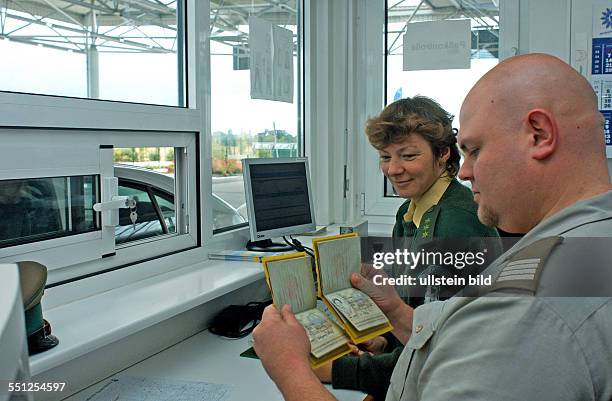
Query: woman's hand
<point x="324" y="373"/>
<point x="375" y="346"/>
<point x="387" y="299"/>
<point x="384" y="295"/>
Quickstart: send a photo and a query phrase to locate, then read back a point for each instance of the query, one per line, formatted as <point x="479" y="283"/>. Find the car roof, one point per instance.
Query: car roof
<point x="161" y="181"/>
<point x="145" y="176"/>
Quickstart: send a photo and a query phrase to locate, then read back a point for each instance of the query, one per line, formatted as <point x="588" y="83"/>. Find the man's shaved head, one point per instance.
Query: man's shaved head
<point x="538" y="120"/>
<point x="538" y="75"/>
<point x="531" y="81"/>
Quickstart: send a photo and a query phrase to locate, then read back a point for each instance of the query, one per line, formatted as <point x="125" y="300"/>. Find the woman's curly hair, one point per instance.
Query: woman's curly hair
<point x="420" y="115"/>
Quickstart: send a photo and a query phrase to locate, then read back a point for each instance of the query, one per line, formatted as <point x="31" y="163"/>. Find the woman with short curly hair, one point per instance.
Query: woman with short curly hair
<point x="418" y="154"/>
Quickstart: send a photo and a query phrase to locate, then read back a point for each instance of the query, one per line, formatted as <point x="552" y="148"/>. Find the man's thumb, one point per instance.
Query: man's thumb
<point x="287" y="314"/>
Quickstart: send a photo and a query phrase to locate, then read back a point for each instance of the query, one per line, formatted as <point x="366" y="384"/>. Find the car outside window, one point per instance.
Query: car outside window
<point x="150" y="221"/>
<point x="37" y="209"/>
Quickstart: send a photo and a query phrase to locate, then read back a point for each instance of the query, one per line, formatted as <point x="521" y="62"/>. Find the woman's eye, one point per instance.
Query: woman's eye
<point x="409" y="156"/>
<point x="384" y="158"/>
<point x="474" y="152"/>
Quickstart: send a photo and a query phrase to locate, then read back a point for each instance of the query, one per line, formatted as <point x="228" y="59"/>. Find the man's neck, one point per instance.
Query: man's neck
<point x="574" y="194"/>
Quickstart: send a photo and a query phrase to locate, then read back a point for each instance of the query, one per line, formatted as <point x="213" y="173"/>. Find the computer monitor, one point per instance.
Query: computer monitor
<point x="278" y="197"/>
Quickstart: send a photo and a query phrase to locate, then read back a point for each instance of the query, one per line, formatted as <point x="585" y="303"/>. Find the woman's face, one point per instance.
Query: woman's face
<point x="410" y="165"/>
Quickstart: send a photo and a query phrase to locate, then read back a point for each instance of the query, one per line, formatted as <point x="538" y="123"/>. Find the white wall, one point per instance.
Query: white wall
<point x="559" y="27"/>
<point x="544" y="26"/>
<point x="326" y="100"/>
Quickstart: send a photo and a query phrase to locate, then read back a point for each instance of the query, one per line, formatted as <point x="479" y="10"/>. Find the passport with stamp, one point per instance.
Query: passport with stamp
<point x="292" y="282"/>
<point x="337" y="257"/>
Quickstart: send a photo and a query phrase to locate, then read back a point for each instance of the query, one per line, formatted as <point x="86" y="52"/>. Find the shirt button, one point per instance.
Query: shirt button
<point x="418" y="328"/>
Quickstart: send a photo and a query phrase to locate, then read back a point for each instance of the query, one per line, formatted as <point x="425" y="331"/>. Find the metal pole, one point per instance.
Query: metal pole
<point x="180" y="51"/>
<point x="416" y="10"/>
<point x="93" y="64"/>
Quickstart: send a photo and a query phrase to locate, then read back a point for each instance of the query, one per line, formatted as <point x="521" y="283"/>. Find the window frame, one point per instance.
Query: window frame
<point x="48" y="112"/>
<point x="300" y="106"/>
<point x="78" y="255"/>
<point x="59" y="27"/>
<point x="374" y="204"/>
<point x="56" y="113"/>
<point x="377" y="207"/>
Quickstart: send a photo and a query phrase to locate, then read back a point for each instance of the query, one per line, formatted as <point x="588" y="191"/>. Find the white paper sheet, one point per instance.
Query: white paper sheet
<point x="437" y="45"/>
<point x="154" y="389"/>
<point x="271" y="61"/>
<point x="260" y="45"/>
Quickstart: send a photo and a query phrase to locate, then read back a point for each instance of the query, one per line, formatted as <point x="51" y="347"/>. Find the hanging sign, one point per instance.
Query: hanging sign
<point x="271" y="61"/>
<point x="437" y="45"/>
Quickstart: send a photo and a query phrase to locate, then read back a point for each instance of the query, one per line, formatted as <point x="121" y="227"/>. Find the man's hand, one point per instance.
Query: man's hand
<point x="281" y="343"/>
<point x="283" y="347"/>
<point x="387" y="299"/>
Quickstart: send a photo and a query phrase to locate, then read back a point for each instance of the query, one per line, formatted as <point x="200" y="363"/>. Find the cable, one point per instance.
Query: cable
<point x="267" y="246"/>
<point x="289" y="243"/>
<point x="297" y="245"/>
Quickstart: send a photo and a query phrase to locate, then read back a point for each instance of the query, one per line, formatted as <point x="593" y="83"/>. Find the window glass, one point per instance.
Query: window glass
<point x="447" y="86"/>
<point x="241" y="126"/>
<point x="167" y="209"/>
<point x="146" y="175"/>
<point x="44" y="208"/>
<point x="148" y="223"/>
<point x="113" y="50"/>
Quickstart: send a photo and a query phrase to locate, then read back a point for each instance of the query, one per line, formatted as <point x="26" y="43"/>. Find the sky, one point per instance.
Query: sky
<point x="152" y="78"/>
<point x="447" y="87"/>
<point x="146" y="78"/>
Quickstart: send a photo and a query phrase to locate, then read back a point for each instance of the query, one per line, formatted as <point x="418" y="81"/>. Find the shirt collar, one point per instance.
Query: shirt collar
<point x="419" y="206"/>
<point x="580" y="213"/>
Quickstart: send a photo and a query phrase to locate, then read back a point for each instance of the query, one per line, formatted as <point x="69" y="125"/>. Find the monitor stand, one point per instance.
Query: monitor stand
<point x="266" y="245"/>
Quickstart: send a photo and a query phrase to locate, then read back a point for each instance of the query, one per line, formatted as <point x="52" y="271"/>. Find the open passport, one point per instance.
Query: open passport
<point x="347" y="315"/>
<point x="337" y="257"/>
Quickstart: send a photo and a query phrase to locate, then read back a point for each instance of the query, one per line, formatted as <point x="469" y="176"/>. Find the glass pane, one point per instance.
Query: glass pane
<point x="166" y="206"/>
<point x="37" y="209"/>
<point x="448" y="87"/>
<point x="148" y="223"/>
<point x="265" y="128"/>
<point x="146" y="175"/>
<point x="120" y="50"/>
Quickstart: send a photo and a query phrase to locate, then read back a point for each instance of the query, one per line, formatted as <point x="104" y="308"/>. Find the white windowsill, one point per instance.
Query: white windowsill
<point x="93" y="322"/>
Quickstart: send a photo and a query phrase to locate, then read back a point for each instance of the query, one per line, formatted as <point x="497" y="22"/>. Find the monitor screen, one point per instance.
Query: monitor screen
<point x="278" y="197"/>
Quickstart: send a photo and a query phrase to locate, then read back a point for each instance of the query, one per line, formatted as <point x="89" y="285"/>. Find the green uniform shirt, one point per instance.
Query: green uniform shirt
<point x="450" y="226"/>
<point x="455" y="215"/>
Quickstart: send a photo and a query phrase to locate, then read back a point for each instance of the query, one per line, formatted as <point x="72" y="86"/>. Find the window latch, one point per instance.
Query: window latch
<point x="111" y="202"/>
<point x="117" y="202"/>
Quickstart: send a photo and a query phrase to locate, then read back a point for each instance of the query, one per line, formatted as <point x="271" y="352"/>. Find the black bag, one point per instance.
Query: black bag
<point x="237" y="321"/>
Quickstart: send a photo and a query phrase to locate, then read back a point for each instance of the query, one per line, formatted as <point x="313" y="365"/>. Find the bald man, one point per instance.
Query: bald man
<point x="534" y="153"/>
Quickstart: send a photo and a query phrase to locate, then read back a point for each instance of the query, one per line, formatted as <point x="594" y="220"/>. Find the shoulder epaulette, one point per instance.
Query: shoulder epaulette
<point x="522" y="271"/>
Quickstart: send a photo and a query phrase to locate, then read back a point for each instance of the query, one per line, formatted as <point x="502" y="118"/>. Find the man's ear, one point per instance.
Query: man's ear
<point x="544" y="133"/>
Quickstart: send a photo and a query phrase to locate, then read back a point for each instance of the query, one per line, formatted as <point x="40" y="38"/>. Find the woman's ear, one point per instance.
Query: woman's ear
<point x="444" y="156"/>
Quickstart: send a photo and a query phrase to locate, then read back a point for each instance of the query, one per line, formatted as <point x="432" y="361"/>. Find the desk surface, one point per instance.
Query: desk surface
<point x="208" y="358"/>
